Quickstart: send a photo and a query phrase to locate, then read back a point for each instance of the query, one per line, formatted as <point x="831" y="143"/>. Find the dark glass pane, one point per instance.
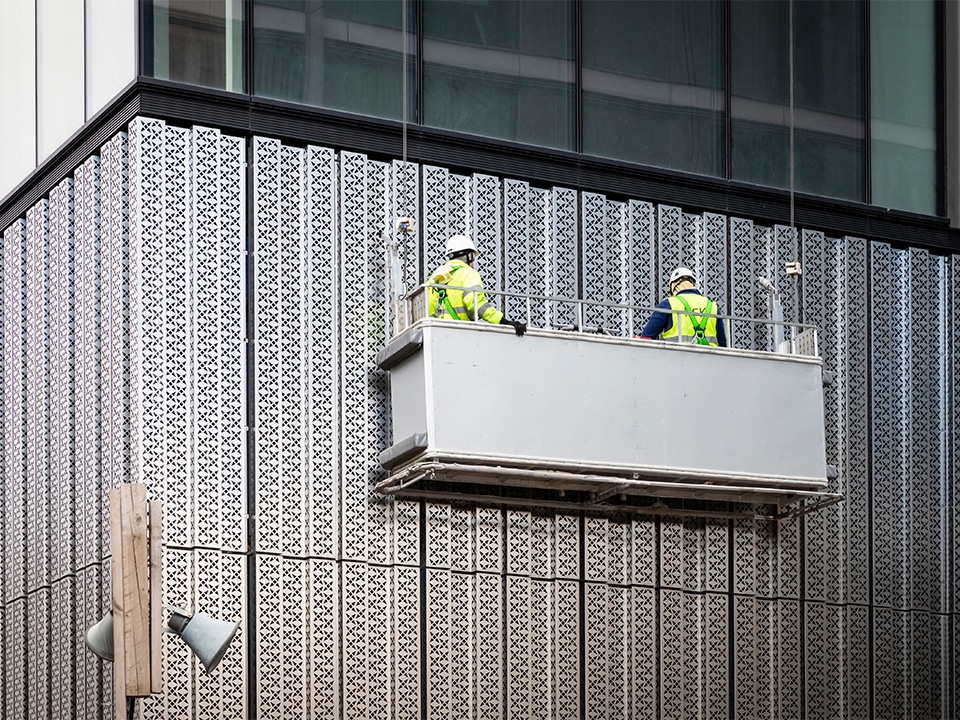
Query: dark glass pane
<point x="903" y="108"/>
<point x="652" y="80"/>
<point x="344" y="54"/>
<point x="200" y="43"/>
<point x="825" y="164"/>
<point x="500" y="69"/>
<point x="828" y="114"/>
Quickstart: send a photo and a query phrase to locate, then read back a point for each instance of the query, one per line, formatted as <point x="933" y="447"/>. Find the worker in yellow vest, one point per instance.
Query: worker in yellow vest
<point x="469" y="304"/>
<point x="686" y="328"/>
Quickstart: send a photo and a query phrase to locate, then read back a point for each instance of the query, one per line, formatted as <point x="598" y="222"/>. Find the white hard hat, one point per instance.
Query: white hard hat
<point x="682" y="272"/>
<point x="458" y="244"/>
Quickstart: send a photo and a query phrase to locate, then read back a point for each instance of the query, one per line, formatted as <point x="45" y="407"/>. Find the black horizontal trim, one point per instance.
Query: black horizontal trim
<point x="382" y="139"/>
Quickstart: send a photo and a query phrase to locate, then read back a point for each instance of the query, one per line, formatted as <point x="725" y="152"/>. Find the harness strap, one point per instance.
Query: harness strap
<point x="699" y="322"/>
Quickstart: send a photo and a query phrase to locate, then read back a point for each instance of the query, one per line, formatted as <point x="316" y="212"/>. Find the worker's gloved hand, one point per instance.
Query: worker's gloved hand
<point x="518" y="327"/>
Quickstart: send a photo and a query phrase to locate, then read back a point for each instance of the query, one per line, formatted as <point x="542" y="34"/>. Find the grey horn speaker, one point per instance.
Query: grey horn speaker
<point x="208" y="637"/>
<point x="99" y="637"/>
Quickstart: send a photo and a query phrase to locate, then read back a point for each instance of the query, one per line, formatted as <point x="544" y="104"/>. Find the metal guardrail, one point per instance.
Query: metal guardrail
<point x="622" y="319"/>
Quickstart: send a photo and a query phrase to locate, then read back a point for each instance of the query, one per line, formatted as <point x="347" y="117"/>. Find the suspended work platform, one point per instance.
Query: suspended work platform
<point x="602" y="417"/>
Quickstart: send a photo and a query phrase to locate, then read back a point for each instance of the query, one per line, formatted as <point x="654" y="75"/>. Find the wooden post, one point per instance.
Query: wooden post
<point x="135" y="544"/>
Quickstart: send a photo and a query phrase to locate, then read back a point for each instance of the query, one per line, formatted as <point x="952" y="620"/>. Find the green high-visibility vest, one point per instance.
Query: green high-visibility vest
<point x="457" y="304"/>
<point x="693" y="329"/>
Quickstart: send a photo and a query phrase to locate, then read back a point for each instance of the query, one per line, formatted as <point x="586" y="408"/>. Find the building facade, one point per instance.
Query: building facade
<point x="194" y="296"/>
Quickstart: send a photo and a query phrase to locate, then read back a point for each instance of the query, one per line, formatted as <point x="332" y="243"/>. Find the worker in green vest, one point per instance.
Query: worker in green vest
<point x="463" y="304"/>
<point x="681" y="325"/>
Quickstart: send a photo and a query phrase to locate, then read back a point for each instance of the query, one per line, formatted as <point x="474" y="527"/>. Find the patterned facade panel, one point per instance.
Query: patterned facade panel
<point x="354" y="633"/>
<point x="380" y="655"/>
<point x="785" y="248"/>
<point x="63" y="647"/>
<point x="490" y="647"/>
<point x="743" y="283"/>
<point x="693" y="650"/>
<point x="516" y="243"/>
<point x="115" y="312"/>
<point x="406" y="681"/>
<point x="62" y="383"/>
<point x="694" y="553"/>
<point x="929" y="663"/>
<point x="953" y="431"/>
<point x="461" y="660"/>
<point x="645" y="551"/>
<point x="568" y="641"/>
<point x="403" y="519"/>
<point x="380" y="219"/>
<point x="324" y="644"/>
<point x="596" y="539"/>
<point x="671" y="246"/>
<point x="540" y="269"/>
<point x="163" y="227"/>
<point x="789" y="552"/>
<point x="488" y="218"/>
<point x="179" y="665"/>
<point x="927" y="420"/>
<point x="518" y="529"/>
<point x="567" y="547"/>
<point x="282" y="642"/>
<point x="437" y="224"/>
<point x="855" y="475"/>
<point x="438" y="535"/>
<point x="543" y="546"/>
<point x="891" y="662"/>
<point x="323" y="351"/>
<point x="520" y="648"/>
<point x="16" y="696"/>
<point x="789" y="657"/>
<point x="644" y="653"/>
<point x="598" y="268"/>
<point x="824" y="661"/>
<point x="618" y="249"/>
<point x="221" y="593"/>
<point x="90" y="604"/>
<point x="747" y="654"/>
<point x="218" y="330"/>
<point x="439" y="670"/>
<point x="563" y="277"/>
<point x="715" y="282"/>
<point x="490" y="540"/>
<point x="14" y="411"/>
<point x="270" y="329"/>
<point x="39" y="668"/>
<point x="355" y="351"/>
<point x="891" y="380"/>
<point x="823" y="306"/>
<point x="597" y="651"/>
<point x="462" y="537"/>
<point x="37" y="400"/>
<point x="856" y="671"/>
<point x="541" y="669"/>
<point x="406" y="183"/>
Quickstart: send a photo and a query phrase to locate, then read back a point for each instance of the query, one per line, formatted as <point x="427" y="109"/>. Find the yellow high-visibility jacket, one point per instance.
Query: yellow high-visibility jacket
<point x="460" y="304"/>
<point x="695" y="329"/>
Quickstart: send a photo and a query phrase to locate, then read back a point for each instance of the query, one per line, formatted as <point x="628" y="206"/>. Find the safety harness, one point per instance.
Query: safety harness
<point x="699" y="322"/>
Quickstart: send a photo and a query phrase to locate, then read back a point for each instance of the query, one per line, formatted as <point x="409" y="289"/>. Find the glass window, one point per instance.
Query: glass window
<point x="828" y="116"/>
<point x="903" y="141"/>
<point x="653" y="82"/>
<point x="501" y="68"/>
<point x="198" y="42"/>
<point x="338" y="54"/>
